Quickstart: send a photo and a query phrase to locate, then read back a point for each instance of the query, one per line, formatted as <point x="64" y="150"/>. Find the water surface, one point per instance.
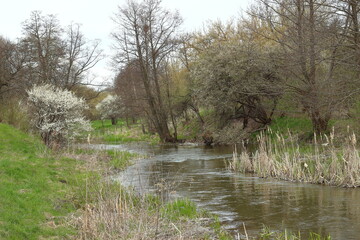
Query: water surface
<point x="199" y="173"/>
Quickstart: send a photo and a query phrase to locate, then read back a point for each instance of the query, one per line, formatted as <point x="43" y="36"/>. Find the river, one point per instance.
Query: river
<point x="199" y="173"/>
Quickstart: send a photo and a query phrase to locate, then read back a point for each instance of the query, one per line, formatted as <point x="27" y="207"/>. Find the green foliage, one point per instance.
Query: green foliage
<point x="296" y="125"/>
<point x="180" y="208"/>
<point x="92" y="99"/>
<point x="221" y="233"/>
<point x="106" y="124"/>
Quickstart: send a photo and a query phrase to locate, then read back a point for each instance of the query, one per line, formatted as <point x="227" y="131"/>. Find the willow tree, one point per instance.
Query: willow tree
<point x="146" y="33"/>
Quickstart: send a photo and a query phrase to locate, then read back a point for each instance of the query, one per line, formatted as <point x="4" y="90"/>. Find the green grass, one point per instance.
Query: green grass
<point x="121" y="159"/>
<point x="118" y="160"/>
<point x="189" y="130"/>
<point x="297" y="125"/>
<point x="181" y="208"/>
<point x="106" y="124"/>
<point x="40" y="191"/>
<point x="219" y="230"/>
<point x="120" y="133"/>
<point x="185" y="209"/>
<point x="34" y="188"/>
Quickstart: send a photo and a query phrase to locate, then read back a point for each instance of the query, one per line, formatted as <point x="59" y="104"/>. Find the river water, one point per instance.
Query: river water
<point x="199" y="173"/>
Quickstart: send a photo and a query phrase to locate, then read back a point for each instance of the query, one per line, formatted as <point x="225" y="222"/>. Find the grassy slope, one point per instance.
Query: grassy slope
<point x="38" y="191"/>
<point x="33" y="187"/>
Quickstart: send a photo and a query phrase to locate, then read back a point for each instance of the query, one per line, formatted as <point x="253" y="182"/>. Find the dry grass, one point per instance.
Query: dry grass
<point x="126" y="216"/>
<point x="110" y="211"/>
<point x="322" y="162"/>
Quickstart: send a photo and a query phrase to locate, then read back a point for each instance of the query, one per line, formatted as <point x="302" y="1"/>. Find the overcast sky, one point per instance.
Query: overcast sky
<point x="95" y="17"/>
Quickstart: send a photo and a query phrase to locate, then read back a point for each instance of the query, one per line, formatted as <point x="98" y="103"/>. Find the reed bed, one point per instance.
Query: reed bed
<point x="321" y="162"/>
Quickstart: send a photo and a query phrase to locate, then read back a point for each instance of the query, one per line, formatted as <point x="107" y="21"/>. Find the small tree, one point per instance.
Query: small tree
<point x="56" y="114"/>
<point x="110" y="108"/>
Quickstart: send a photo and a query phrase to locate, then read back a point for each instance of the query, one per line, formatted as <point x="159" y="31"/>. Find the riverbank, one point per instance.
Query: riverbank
<point x="286" y="150"/>
<point x="38" y="189"/>
<point x="68" y="195"/>
<point x="327" y="159"/>
<point x="104" y="131"/>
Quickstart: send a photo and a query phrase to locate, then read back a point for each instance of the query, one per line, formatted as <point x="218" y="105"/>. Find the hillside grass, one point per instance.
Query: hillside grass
<point x="41" y="189"/>
<point x="34" y="189"/>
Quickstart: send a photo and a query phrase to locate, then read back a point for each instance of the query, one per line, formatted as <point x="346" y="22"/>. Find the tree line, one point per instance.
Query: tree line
<point x="304" y="51"/>
<point x="302" y="55"/>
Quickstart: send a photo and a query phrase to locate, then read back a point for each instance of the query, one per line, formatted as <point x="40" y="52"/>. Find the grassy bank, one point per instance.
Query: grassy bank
<point x="69" y="195"/>
<point x="36" y="188"/>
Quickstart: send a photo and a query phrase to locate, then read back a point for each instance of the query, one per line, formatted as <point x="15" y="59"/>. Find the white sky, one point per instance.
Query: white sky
<point x="95" y="17"/>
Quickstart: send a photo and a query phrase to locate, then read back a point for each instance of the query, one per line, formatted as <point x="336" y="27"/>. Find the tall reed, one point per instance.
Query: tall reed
<point x="320" y="162"/>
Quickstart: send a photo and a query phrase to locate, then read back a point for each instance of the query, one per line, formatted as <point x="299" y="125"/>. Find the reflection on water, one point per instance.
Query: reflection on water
<point x="199" y="173"/>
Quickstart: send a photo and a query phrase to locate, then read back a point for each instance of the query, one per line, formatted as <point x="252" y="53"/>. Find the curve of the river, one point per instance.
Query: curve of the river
<point x="199" y="173"/>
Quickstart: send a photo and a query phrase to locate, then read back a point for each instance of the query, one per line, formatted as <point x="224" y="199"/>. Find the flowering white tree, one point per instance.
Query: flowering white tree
<point x="57" y="113"/>
<point x="110" y="107"/>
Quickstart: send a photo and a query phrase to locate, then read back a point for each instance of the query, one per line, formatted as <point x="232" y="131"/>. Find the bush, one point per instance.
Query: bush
<point x="56" y="114"/>
<point x="110" y="108"/>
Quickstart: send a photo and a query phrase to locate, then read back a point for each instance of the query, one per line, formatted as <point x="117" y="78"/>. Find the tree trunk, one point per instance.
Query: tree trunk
<point x="320" y="123"/>
<point x="163" y="129"/>
<point x="143" y="128"/>
<point x="197" y="112"/>
<point x="113" y="121"/>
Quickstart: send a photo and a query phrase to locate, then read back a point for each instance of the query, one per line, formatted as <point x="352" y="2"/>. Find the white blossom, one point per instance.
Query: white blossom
<point x="57" y="113"/>
<point x="110" y="107"/>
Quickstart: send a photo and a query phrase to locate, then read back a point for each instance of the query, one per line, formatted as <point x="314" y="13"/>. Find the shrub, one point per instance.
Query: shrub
<point x="110" y="108"/>
<point x="56" y="114"/>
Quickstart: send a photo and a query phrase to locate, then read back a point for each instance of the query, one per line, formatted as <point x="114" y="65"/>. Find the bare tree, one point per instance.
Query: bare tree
<point x="308" y="37"/>
<point x="11" y="66"/>
<point x="80" y="56"/>
<point x="128" y="85"/>
<point x="57" y="56"/>
<point x="348" y="13"/>
<point x="44" y="46"/>
<point x="146" y="34"/>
